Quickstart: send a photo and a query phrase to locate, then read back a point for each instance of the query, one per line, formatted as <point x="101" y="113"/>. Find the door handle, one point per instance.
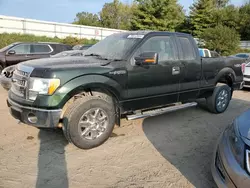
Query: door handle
<point x="176" y="70"/>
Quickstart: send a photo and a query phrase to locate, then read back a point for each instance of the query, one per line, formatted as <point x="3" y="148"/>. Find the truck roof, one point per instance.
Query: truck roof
<point x="145" y="32"/>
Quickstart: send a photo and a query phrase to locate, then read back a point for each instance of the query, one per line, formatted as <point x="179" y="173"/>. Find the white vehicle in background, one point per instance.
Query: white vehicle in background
<point x="247" y="75"/>
<point x="207" y="53"/>
<point x="246" y="68"/>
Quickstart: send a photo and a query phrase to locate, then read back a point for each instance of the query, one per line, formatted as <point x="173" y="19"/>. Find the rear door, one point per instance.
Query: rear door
<point x="22" y="53"/>
<point x="40" y="51"/>
<point x="191" y="68"/>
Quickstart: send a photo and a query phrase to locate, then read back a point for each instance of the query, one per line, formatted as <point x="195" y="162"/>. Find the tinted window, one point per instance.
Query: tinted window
<point x="163" y="45"/>
<point x="188" y="52"/>
<point x="39" y="48"/>
<point x="22" y="49"/>
<point x="242" y="55"/>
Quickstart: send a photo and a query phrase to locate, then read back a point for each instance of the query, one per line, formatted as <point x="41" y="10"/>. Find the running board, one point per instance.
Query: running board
<point x="160" y="111"/>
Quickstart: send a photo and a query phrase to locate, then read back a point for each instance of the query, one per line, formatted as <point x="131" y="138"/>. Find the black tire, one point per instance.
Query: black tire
<point x="213" y="100"/>
<point x="77" y="109"/>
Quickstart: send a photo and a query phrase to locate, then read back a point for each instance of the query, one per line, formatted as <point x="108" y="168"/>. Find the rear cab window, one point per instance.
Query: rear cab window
<point x="186" y="48"/>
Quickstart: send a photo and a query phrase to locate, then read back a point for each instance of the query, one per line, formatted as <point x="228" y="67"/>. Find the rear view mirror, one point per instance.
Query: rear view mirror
<point x="11" y="52"/>
<point x="147" y="58"/>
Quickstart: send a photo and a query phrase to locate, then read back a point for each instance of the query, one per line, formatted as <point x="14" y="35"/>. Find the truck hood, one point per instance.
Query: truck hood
<point x="243" y="122"/>
<point x="65" y="62"/>
<point x="66" y="68"/>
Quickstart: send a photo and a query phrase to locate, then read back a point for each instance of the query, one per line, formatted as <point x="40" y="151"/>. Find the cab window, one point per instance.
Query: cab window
<point x="163" y="45"/>
<point x="22" y="49"/>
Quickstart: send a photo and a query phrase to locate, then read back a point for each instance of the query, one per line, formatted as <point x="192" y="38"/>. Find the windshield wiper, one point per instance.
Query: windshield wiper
<point x="93" y="54"/>
<point x="97" y="55"/>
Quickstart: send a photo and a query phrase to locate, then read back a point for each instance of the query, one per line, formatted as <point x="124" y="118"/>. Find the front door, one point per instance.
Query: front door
<point x="22" y="52"/>
<point x="154" y="85"/>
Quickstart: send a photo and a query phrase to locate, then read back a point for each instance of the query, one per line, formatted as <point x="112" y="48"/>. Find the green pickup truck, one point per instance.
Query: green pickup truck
<point x="130" y="74"/>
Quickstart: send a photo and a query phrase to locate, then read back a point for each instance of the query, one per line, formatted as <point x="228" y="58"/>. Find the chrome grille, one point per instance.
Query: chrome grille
<point x="20" y="81"/>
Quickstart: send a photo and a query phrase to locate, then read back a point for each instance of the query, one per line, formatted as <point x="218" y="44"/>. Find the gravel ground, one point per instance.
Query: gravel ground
<point x="171" y="150"/>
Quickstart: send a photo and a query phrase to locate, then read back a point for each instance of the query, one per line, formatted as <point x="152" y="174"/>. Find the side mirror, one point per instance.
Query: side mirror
<point x="11" y="52"/>
<point x="147" y="58"/>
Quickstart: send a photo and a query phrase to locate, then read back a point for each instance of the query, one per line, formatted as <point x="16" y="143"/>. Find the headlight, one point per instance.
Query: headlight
<point x="236" y="143"/>
<point x="42" y="86"/>
<point x="248" y="160"/>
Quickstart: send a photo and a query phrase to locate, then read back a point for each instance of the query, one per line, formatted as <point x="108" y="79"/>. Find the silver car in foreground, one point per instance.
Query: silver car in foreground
<point x="231" y="160"/>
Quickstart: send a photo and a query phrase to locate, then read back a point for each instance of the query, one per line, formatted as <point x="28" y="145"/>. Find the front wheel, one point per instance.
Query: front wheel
<point x="220" y="99"/>
<point x="89" y="121"/>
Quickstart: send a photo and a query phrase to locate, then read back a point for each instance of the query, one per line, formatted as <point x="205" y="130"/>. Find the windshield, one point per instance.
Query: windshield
<point x="6" y="47"/>
<point x="115" y="46"/>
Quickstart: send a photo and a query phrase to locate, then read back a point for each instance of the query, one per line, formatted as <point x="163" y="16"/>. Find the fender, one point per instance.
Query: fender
<point x="2" y="61"/>
<point x="223" y="72"/>
<point x="79" y="84"/>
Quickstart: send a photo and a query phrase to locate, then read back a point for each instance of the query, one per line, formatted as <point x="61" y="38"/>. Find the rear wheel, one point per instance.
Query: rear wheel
<point x="89" y="121"/>
<point x="220" y="99"/>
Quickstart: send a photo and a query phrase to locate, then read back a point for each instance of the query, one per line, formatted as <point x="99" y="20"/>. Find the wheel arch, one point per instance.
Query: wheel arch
<point x="226" y="76"/>
<point x="100" y="84"/>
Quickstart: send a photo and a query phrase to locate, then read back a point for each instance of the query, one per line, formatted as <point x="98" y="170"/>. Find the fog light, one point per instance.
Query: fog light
<point x="32" y="118"/>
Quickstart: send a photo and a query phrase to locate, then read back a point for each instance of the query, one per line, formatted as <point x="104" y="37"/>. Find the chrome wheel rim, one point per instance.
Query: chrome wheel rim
<point x="222" y="100"/>
<point x="93" y="123"/>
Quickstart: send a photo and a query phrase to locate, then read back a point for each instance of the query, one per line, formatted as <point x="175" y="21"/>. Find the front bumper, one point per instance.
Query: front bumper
<point x="247" y="82"/>
<point x="226" y="171"/>
<point x="34" y="116"/>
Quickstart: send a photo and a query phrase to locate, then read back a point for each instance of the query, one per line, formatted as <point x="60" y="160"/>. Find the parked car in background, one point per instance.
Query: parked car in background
<point x="6" y="75"/>
<point x="231" y="159"/>
<point x="82" y="47"/>
<point x="69" y="53"/>
<point x="242" y="55"/>
<point x="207" y="53"/>
<point x="23" y="51"/>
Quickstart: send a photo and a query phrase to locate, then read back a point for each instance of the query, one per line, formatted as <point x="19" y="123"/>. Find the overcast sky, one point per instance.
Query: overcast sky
<point x="61" y="10"/>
